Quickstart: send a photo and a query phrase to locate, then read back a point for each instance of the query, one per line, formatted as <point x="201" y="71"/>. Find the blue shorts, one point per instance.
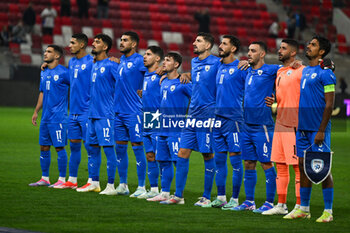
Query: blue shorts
<point x="198" y="140"/>
<point x="77" y="126"/>
<point x="256" y="142"/>
<point x="128" y="127"/>
<point x="53" y="134"/>
<point x="304" y="140"/>
<point x="150" y="142"/>
<point x="167" y="148"/>
<point x="226" y="138"/>
<point x="100" y="132"/>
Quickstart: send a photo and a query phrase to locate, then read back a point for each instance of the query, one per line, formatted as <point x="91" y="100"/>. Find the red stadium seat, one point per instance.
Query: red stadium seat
<point x="13" y="9"/>
<point x="341" y="38"/>
<point x="26" y="59"/>
<point x="47" y="39"/>
<point x="14" y="47"/>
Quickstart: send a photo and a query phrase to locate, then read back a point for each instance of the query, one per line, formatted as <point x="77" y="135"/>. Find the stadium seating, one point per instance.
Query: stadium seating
<point x="168" y="23"/>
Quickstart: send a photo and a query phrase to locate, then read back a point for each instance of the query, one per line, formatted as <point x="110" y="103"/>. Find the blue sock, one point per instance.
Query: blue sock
<point x="140" y="164"/>
<point x="88" y="150"/>
<point x="209" y="166"/>
<point x="111" y="163"/>
<point x="270" y="175"/>
<point x="153" y="173"/>
<point x="45" y="160"/>
<point x="305" y="195"/>
<point x="250" y="179"/>
<point x="328" y="198"/>
<point x="74" y="160"/>
<point x="221" y="172"/>
<point x="168" y="175"/>
<point x="95" y="162"/>
<point x="122" y="162"/>
<point x="237" y="174"/>
<point x="182" y="167"/>
<point x="62" y="159"/>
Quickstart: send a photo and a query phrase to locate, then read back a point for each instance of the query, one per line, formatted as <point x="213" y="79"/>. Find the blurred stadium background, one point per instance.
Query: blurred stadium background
<point x="171" y="25"/>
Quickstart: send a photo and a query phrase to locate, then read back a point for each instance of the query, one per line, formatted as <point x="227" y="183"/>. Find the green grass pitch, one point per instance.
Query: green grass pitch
<point x="49" y="210"/>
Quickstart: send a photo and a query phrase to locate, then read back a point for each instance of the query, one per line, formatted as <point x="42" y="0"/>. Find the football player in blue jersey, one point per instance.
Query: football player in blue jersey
<point x="101" y="115"/>
<point x="53" y="99"/>
<point x="202" y="108"/>
<point x="80" y="77"/>
<point x="229" y="110"/>
<point x="316" y="101"/>
<point x="173" y="107"/>
<point x="150" y="105"/>
<point x="128" y="113"/>
<point x="258" y="127"/>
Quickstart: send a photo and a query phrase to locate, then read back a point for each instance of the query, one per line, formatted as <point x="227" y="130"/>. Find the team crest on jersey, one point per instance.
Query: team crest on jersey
<point x="231" y="71"/>
<point x="313" y="75"/>
<point x="207" y="68"/>
<point x="55" y="77"/>
<point x="83" y="66"/>
<point x="172" y="88"/>
<point x="102" y="69"/>
<point x="153" y="77"/>
<point x="260" y="72"/>
<point x="289" y="72"/>
<point x="129" y="65"/>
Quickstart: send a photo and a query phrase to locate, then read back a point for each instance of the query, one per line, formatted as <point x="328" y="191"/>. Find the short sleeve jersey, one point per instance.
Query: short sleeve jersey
<point x="259" y="84"/>
<point x="103" y="81"/>
<point x="131" y="73"/>
<point x="54" y="84"/>
<point x="173" y="105"/>
<point x="80" y="79"/>
<point x="203" y="77"/>
<point x="151" y="92"/>
<point x="230" y="91"/>
<point x="312" y="97"/>
<point x="287" y="95"/>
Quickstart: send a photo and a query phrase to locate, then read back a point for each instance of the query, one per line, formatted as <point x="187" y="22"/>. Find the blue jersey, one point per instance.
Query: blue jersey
<point x="230" y="91"/>
<point x="151" y="92"/>
<point x="80" y="79"/>
<point x="103" y="81"/>
<point x="259" y="84"/>
<point x="312" y="101"/>
<point x="131" y="72"/>
<point x="173" y="106"/>
<point x="203" y="76"/>
<point x="54" y="84"/>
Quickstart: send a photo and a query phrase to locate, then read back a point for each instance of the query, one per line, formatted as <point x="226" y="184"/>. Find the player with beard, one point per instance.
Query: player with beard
<point x="53" y="99"/>
<point x="229" y="110"/>
<point x="128" y="113"/>
<point x="283" y="144"/>
<point x="258" y="127"/>
<point x="101" y="115"/>
<point x="202" y="108"/>
<point x="317" y="87"/>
